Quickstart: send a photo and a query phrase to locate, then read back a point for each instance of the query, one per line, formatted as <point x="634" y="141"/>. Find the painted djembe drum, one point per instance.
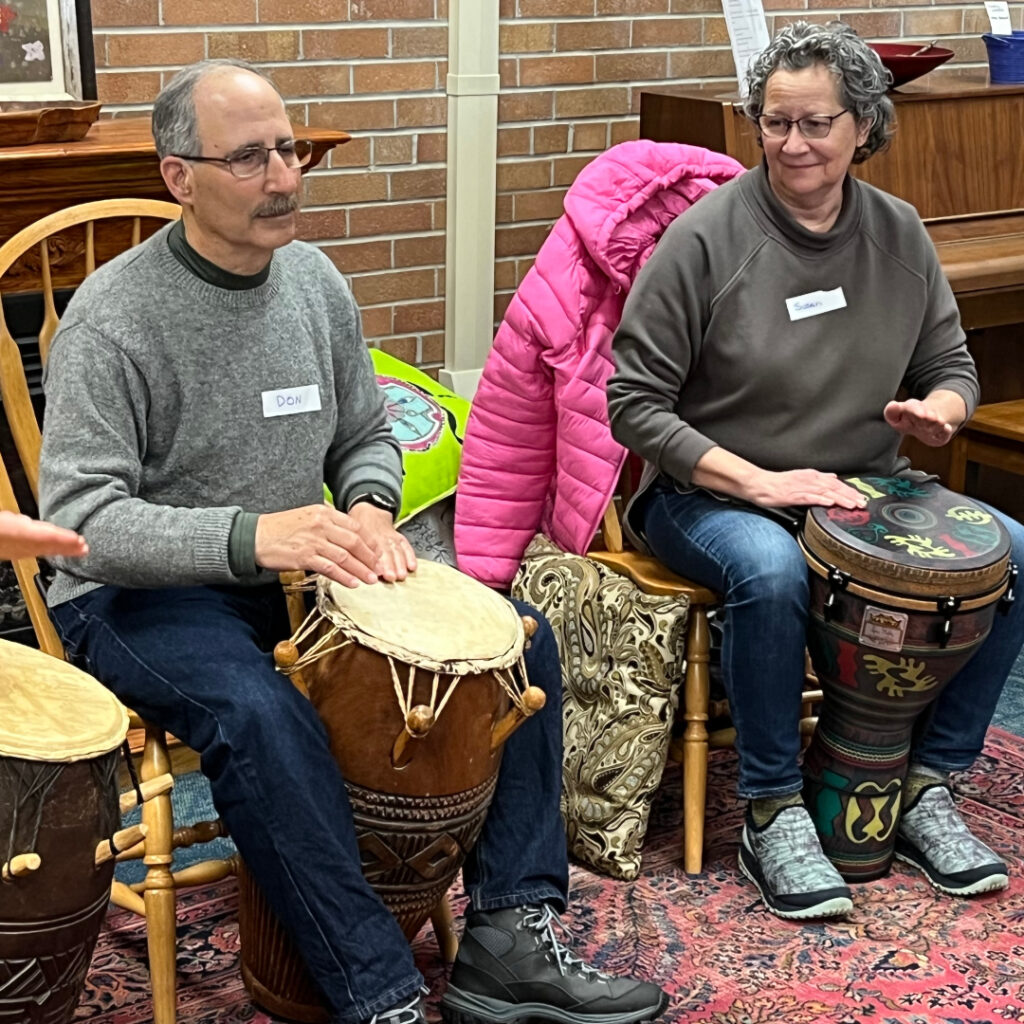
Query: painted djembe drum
<point x="418" y="684"/>
<point x="60" y="734"/>
<point x="903" y="592"/>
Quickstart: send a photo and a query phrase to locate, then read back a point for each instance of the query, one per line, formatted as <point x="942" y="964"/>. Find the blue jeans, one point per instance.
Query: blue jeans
<point x="195" y="660"/>
<point x="753" y="560"/>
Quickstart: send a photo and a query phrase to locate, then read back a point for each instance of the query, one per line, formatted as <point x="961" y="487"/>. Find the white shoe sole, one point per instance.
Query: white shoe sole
<point x="835" y="907"/>
<point x="990" y="883"/>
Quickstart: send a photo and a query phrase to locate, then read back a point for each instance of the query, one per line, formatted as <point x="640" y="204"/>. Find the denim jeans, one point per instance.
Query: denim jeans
<point x="753" y="560"/>
<point x="195" y="660"/>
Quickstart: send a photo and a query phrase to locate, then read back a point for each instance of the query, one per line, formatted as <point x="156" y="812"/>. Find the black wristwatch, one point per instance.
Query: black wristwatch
<point x="377" y="500"/>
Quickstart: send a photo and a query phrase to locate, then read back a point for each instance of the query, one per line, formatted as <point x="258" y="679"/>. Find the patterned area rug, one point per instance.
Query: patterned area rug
<point x="907" y="955"/>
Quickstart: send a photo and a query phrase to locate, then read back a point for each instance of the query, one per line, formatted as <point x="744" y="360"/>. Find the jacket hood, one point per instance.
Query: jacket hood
<point x="624" y="199"/>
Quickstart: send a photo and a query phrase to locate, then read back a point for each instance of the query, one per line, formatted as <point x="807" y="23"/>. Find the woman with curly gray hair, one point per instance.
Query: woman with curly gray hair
<point x="758" y="361"/>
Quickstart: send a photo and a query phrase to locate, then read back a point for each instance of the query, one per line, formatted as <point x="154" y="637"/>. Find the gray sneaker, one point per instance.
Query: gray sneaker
<point x="785" y="861"/>
<point x="410" y="1011"/>
<point x="933" y="838"/>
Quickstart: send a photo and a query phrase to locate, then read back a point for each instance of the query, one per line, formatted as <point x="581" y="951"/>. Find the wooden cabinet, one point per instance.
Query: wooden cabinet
<point x="958" y="157"/>
<point x="116" y="159"/>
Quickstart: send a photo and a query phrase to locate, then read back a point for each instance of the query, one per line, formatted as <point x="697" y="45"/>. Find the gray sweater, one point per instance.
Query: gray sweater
<point x="706" y="353"/>
<point x="156" y="434"/>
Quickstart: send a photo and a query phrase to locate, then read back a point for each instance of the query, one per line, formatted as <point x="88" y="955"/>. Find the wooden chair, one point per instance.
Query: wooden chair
<point x="154" y="898"/>
<point x="993" y="436"/>
<point x="696" y="707"/>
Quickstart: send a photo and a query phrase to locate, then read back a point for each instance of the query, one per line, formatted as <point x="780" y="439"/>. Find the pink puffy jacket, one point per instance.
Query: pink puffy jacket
<point x="538" y="453"/>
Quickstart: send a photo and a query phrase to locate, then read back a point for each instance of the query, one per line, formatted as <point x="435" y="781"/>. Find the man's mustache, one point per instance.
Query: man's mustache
<point x="278" y="206"/>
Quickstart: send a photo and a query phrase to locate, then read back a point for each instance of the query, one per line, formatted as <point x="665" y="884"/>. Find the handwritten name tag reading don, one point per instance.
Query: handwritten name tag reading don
<point x="815" y="303"/>
<point x="289" y="401"/>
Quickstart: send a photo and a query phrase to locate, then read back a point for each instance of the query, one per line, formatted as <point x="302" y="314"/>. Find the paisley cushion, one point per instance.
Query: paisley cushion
<point x="622" y="654"/>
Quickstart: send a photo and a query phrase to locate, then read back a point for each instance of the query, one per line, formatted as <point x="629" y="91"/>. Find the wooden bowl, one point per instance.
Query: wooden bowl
<point x="907" y="61"/>
<point x="21" y="124"/>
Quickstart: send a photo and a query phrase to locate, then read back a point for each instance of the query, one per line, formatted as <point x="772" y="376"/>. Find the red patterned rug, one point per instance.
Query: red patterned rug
<point x="906" y="955"/>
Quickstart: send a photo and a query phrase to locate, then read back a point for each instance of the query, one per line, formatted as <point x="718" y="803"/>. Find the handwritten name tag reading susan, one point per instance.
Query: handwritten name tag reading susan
<point x="289" y="401"/>
<point x="815" y="303"/>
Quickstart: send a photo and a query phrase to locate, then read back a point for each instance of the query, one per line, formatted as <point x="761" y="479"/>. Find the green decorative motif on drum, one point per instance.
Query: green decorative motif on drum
<point x="903" y="592"/>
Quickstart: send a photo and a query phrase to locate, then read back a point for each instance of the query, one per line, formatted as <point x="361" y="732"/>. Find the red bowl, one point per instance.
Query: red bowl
<point x="905" y="63"/>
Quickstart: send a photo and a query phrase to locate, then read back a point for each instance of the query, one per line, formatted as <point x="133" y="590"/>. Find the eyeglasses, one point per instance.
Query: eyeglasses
<point x="252" y="160"/>
<point x="816" y="127"/>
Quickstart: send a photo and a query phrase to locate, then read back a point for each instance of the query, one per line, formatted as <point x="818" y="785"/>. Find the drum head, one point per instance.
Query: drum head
<point x="50" y="711"/>
<point x="437" y="618"/>
<point x="914" y="538"/>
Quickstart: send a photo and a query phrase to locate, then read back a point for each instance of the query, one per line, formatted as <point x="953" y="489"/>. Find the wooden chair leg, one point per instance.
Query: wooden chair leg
<point x="696" y="696"/>
<point x="158" y="894"/>
<point x="444" y="929"/>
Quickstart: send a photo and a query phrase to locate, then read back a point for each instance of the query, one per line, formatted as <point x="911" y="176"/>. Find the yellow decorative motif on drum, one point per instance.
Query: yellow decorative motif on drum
<point x="883" y="805"/>
<point x="923" y="547"/>
<point x="899" y="679"/>
<point x="969" y="514"/>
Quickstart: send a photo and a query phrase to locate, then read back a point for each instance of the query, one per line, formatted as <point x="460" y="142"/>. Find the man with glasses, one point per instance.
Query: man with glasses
<point x="201" y="388"/>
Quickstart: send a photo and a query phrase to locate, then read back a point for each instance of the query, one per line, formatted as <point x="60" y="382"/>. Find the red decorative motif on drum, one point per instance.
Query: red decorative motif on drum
<point x="847" y="662"/>
<point x="851" y="516"/>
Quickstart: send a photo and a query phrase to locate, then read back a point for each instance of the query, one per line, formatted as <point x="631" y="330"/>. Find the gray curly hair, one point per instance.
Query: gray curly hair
<point x="175" y="128"/>
<point x="862" y="78"/>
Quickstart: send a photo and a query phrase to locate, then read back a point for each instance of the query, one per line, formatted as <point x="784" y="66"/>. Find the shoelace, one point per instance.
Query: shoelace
<point x="410" y="1013"/>
<point x="543" y="920"/>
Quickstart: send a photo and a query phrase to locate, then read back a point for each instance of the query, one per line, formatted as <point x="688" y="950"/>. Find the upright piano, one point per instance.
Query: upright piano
<point x="958" y="157"/>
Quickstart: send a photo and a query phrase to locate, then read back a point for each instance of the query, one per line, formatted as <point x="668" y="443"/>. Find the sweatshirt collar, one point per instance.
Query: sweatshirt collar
<point x="778" y="221"/>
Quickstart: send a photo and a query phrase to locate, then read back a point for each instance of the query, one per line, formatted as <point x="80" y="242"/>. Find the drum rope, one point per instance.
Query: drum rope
<point x="321" y="646"/>
<point x="133" y="775"/>
<point x="28" y="781"/>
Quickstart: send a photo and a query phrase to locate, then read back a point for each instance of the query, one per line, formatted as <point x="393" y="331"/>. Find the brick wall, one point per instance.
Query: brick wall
<point x="571" y="76"/>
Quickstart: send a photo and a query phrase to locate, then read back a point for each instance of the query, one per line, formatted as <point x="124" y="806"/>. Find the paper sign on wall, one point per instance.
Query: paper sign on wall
<point x="999" y="17"/>
<point x="748" y="33"/>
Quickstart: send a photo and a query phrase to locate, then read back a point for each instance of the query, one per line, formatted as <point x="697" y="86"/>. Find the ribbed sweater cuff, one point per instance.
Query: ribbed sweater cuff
<point x="212" y="543"/>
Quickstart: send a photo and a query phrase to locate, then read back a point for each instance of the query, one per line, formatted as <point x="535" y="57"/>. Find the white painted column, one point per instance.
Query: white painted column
<point x="472" y="88"/>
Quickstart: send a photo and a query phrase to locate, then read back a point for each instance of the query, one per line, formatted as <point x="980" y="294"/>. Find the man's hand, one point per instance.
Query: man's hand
<point x="21" y="537"/>
<point x="318" y="538"/>
<point x="933" y="421"/>
<point x="397" y="558"/>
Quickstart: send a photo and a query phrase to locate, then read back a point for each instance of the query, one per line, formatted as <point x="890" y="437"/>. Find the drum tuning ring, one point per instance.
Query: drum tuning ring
<point x="948" y="606"/>
<point x="1008" y="595"/>
<point x="837" y="580"/>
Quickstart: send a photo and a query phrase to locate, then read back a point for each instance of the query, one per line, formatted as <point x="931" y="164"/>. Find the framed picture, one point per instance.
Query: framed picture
<point x="46" y="51"/>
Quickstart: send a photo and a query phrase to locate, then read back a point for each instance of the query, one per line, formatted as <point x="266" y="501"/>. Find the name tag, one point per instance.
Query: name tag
<point x="814" y="303"/>
<point x="288" y="401"/>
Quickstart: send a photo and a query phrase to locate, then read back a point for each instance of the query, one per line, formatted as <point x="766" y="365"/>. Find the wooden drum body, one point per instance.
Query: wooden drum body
<point x="411" y="725"/>
<point x="903" y="592"/>
<point x="59" y="737"/>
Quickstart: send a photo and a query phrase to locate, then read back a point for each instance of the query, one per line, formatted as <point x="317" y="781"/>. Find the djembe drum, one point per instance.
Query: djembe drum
<point x="418" y="684"/>
<point x="60" y="734"/>
<point x="903" y="592"/>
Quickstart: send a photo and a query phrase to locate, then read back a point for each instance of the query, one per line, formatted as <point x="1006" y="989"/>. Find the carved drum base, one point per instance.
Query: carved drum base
<point x="411" y="849"/>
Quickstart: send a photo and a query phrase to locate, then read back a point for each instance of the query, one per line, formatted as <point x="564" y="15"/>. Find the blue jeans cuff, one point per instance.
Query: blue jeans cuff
<point x="526" y="897"/>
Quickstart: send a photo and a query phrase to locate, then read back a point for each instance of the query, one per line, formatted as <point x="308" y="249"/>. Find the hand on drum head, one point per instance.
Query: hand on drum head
<point x="21" y="537"/>
<point x="397" y="558"/>
<point x="317" y="538"/>
<point x="802" y="487"/>
<point x="932" y="421"/>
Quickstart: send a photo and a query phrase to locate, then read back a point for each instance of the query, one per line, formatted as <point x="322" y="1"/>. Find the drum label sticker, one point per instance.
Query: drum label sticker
<point x="815" y="303"/>
<point x="883" y="628"/>
<point x="289" y="401"/>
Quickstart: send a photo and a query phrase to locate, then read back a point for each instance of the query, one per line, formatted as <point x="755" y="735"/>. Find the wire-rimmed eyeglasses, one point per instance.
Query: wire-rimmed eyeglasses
<point x="816" y="126"/>
<point x="249" y="162"/>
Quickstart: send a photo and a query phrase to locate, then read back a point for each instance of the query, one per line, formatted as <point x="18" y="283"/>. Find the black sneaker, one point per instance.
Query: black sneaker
<point x="933" y="838"/>
<point x="512" y="966"/>
<point x="785" y="861"/>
